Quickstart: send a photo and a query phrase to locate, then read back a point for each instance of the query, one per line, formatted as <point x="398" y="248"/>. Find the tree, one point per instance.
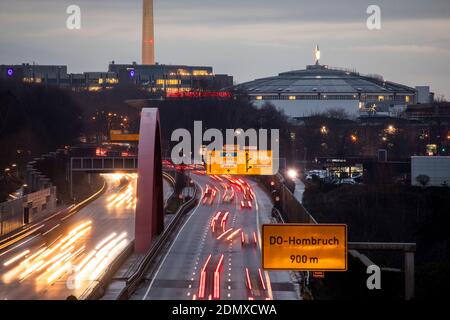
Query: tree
<point x="423" y="179"/>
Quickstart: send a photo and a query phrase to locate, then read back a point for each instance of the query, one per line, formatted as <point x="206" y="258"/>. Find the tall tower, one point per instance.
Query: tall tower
<point x="148" y="35"/>
<point x="316" y="55"/>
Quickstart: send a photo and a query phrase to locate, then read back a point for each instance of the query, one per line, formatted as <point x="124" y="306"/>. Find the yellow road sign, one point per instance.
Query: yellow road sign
<point x="306" y="247"/>
<point x="241" y="162"/>
<point x="124" y="137"/>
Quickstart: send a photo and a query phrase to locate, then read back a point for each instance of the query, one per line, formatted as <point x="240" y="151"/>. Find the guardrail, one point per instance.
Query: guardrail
<point x="134" y="280"/>
<point x="172" y="182"/>
<point x="96" y="289"/>
<point x="88" y="200"/>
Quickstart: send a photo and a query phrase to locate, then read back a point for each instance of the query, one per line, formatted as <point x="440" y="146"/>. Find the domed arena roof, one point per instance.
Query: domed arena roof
<point x="322" y="79"/>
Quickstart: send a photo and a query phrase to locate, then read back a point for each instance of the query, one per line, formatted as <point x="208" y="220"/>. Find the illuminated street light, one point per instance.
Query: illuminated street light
<point x="324" y="130"/>
<point x="292" y="174"/>
<point x="354" y="138"/>
<point x="391" y="129"/>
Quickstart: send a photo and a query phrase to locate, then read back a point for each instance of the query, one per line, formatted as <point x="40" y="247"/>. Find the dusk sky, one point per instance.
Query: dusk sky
<point x="247" y="39"/>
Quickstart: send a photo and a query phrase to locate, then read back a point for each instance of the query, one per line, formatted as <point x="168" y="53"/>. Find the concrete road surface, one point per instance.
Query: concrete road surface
<point x="216" y="254"/>
<point x="64" y="257"/>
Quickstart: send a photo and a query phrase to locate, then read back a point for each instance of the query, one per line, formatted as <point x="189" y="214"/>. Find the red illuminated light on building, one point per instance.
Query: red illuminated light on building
<point x="199" y="95"/>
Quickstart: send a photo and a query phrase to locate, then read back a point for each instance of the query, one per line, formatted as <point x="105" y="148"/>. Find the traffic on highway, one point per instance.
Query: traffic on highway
<point x="217" y="252"/>
<point x="68" y="252"/>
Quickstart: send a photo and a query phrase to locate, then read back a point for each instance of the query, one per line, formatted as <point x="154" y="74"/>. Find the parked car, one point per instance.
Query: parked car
<point x="349" y="181"/>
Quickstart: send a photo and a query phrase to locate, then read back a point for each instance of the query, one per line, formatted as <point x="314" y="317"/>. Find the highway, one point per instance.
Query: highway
<point x="65" y="256"/>
<point x="216" y="254"/>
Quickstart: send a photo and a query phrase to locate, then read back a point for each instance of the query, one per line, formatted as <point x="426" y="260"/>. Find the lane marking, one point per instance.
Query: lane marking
<point x="47" y="232"/>
<point x="170" y="248"/>
<point x="258" y="229"/>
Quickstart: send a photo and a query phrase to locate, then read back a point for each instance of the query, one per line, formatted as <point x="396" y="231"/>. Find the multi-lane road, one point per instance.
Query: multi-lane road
<point x="215" y="255"/>
<point x="66" y="255"/>
<point x="217" y="252"/>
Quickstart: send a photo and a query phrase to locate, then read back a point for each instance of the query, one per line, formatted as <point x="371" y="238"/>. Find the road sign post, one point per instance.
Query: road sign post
<point x="304" y="247"/>
<point x="240" y="162"/>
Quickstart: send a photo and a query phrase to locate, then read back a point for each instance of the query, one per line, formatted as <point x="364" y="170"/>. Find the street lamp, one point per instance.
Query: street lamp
<point x="324" y="130"/>
<point x="391" y="129"/>
<point x="292" y="173"/>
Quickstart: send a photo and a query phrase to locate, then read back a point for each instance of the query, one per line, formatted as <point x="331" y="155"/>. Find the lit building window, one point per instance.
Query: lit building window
<point x="292" y="97"/>
<point x="183" y="72"/>
<point x="30" y="80"/>
<point x="200" y="73"/>
<point x="170" y="82"/>
<point x="407" y="99"/>
<point x="258" y="97"/>
<point x="100" y="81"/>
<point x="380" y="98"/>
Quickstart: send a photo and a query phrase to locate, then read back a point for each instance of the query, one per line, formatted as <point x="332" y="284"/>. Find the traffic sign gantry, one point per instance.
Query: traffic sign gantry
<point x="306" y="247"/>
<point x="241" y="162"/>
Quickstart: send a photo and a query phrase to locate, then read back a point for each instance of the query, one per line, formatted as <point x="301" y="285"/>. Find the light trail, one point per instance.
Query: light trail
<point x="247" y="277"/>
<point x="202" y="286"/>
<point x="224" y="221"/>
<point x="230" y="237"/>
<point x="216" y="292"/>
<point x="261" y="279"/>
<point x="224" y="233"/>
<point x="47" y="232"/>
<point x="17" y="257"/>
<point x="104" y="241"/>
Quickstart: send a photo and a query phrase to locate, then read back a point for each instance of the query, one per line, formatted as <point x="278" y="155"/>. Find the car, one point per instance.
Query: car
<point x="209" y="195"/>
<point x="228" y="195"/>
<point x="248" y="196"/>
<point x="356" y="175"/>
<point x="246" y="204"/>
<point x="348" y="181"/>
